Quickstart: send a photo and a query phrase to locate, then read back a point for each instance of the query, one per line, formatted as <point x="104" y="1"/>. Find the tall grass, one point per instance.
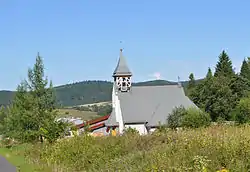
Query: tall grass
<point x="188" y="150"/>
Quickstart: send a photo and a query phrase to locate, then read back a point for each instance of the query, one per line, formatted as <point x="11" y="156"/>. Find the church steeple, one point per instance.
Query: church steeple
<point x="121" y="68"/>
<point x="122" y="74"/>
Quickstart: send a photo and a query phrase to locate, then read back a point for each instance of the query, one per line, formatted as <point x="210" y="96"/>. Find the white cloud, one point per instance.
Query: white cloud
<point x="155" y="75"/>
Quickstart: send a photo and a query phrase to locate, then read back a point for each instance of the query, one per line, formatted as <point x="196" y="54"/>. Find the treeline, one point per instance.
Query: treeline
<point x="225" y="94"/>
<point x="101" y="110"/>
<point x="85" y="92"/>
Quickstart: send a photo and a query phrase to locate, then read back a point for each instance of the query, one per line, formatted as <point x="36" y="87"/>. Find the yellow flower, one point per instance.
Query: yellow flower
<point x="204" y="169"/>
<point x="223" y="170"/>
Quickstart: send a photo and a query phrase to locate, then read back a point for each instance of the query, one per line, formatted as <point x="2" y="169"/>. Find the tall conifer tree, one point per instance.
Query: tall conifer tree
<point x="245" y="70"/>
<point x="224" y="66"/>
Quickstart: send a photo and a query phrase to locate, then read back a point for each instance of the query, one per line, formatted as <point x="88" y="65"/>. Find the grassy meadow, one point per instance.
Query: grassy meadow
<point x="85" y="115"/>
<point x="187" y="150"/>
<point x="16" y="156"/>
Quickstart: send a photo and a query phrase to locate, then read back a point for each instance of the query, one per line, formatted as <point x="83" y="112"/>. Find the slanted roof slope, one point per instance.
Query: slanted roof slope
<point x="152" y="104"/>
<point x="122" y="68"/>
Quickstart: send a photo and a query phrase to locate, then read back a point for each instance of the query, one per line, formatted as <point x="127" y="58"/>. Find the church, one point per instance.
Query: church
<point x="143" y="108"/>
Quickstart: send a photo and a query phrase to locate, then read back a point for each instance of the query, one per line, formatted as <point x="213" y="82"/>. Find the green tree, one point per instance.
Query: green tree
<point x="240" y="87"/>
<point x="209" y="75"/>
<point x="32" y="115"/>
<point x="3" y="115"/>
<point x="191" y="82"/>
<point x="220" y="100"/>
<point x="248" y="61"/>
<point x="202" y="92"/>
<point x="224" y="66"/>
<point x="245" y="70"/>
<point x="242" y="111"/>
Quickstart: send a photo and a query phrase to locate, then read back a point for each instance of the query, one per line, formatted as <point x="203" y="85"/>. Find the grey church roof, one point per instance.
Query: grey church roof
<point x="150" y="104"/>
<point x="122" y="68"/>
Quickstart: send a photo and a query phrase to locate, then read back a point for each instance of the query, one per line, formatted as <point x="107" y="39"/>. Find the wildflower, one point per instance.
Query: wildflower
<point x="204" y="169"/>
<point x="223" y="168"/>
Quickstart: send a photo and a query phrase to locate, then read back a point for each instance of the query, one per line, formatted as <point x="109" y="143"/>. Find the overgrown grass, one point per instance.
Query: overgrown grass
<point x="16" y="157"/>
<point x="188" y="150"/>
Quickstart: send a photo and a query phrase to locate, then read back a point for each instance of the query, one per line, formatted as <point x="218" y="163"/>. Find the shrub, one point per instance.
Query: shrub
<point x="242" y="111"/>
<point x="131" y="131"/>
<point x="191" y="118"/>
<point x="174" y="119"/>
<point x="195" y="118"/>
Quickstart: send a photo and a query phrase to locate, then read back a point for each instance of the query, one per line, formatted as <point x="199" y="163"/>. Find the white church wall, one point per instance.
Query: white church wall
<point x="141" y="128"/>
<point x="151" y="130"/>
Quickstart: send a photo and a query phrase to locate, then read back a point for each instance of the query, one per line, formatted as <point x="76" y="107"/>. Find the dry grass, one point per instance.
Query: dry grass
<point x="97" y="104"/>
<point x="188" y="150"/>
<point x="85" y="115"/>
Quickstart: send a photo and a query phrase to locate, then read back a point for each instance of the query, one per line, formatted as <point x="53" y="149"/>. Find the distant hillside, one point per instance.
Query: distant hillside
<point x="85" y="92"/>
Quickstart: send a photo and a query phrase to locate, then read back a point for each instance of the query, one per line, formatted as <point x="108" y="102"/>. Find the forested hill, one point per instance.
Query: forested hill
<point x="85" y="92"/>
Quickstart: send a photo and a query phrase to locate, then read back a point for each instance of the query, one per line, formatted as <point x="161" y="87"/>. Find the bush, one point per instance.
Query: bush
<point x="8" y="142"/>
<point x="195" y="118"/>
<point x="242" y="111"/>
<point x="131" y="131"/>
<point x="174" y="119"/>
<point x="191" y="118"/>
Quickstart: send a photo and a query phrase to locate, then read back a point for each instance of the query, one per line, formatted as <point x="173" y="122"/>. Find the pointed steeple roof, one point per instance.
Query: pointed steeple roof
<point x="122" y="68"/>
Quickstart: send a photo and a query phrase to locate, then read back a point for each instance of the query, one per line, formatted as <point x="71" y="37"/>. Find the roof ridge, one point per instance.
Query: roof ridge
<point x="170" y="85"/>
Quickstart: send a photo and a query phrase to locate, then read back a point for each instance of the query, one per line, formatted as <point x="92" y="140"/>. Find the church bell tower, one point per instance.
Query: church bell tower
<point x="122" y="75"/>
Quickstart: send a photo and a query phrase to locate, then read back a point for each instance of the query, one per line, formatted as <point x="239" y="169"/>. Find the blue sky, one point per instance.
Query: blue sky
<point x="80" y="39"/>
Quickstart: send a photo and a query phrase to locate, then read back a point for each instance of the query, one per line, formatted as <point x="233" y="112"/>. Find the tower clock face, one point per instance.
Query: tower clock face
<point x="123" y="83"/>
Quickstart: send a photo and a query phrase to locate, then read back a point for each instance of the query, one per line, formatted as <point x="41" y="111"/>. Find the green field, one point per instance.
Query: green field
<point x="85" y="115"/>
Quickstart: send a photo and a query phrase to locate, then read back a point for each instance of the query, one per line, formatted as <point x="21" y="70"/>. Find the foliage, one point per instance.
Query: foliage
<point x="104" y="110"/>
<point x="242" y="111"/>
<point x="202" y="91"/>
<point x="195" y="118"/>
<point x="190" y="118"/>
<point x="221" y="101"/>
<point x="218" y="95"/>
<point x="188" y="150"/>
<point x="3" y="115"/>
<point x="190" y="90"/>
<point x="32" y="115"/>
<point x="240" y="87"/>
<point x="175" y="118"/>
<point x="245" y="70"/>
<point x="191" y="82"/>
<point x="224" y="66"/>
<point x="8" y="143"/>
<point x="131" y="131"/>
<point x="101" y="110"/>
